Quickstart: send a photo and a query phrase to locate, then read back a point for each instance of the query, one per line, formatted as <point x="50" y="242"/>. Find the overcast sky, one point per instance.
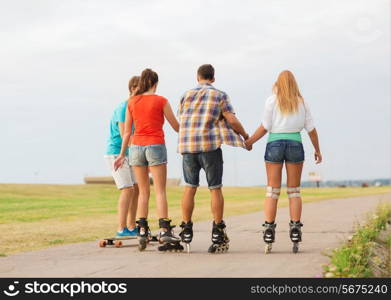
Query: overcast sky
<point x="65" y="66"/>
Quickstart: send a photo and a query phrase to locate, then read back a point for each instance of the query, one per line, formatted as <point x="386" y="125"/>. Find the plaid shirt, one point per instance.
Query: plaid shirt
<point x="202" y="126"/>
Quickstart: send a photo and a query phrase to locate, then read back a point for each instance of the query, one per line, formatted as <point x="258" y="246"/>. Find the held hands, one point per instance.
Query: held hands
<point x="119" y="162"/>
<point x="318" y="157"/>
<point x="247" y="142"/>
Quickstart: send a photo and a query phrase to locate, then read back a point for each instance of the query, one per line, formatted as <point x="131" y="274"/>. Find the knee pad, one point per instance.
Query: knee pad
<point x="272" y="192"/>
<point x="293" y="192"/>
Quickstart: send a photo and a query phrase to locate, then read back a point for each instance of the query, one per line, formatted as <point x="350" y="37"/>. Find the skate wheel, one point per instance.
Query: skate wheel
<point x="268" y="248"/>
<point x="118" y="244"/>
<point x="295" y="248"/>
<point x="188" y="248"/>
<point x="102" y="243"/>
<point x="142" y="246"/>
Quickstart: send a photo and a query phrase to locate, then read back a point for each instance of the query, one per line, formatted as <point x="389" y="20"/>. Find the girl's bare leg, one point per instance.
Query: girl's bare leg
<point x="142" y="177"/>
<point x="293" y="171"/>
<point x="274" y="173"/>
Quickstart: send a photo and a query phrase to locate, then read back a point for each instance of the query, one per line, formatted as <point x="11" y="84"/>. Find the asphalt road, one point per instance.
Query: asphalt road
<point x="326" y="225"/>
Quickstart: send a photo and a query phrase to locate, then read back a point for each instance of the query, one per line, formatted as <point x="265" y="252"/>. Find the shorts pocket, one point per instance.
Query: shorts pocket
<point x="295" y="152"/>
<point x="274" y="152"/>
<point x="156" y="154"/>
<point x="137" y="157"/>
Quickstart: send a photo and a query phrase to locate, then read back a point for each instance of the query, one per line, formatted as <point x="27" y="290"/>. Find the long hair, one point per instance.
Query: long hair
<point x="147" y="80"/>
<point x="287" y="93"/>
<point x="133" y="83"/>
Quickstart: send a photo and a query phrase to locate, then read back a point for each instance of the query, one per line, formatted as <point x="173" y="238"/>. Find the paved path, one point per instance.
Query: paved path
<point x="326" y="225"/>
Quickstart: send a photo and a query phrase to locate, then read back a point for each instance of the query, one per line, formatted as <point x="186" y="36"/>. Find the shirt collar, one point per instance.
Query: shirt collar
<point x="204" y="85"/>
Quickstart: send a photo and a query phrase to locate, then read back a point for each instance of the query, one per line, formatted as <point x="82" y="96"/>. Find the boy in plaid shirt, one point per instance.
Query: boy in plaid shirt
<point x="207" y="120"/>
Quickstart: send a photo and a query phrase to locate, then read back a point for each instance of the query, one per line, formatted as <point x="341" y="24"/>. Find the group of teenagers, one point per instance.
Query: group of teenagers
<point x="206" y="120"/>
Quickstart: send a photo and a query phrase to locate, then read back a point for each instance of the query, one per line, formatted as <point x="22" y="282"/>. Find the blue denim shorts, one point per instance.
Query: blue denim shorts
<point x="211" y="162"/>
<point x="284" y="150"/>
<point x="151" y="155"/>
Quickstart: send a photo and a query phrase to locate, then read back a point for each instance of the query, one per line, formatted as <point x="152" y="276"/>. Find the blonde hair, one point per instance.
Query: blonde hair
<point x="287" y="93"/>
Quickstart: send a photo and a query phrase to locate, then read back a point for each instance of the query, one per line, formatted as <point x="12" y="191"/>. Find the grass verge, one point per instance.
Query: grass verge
<point x="367" y="252"/>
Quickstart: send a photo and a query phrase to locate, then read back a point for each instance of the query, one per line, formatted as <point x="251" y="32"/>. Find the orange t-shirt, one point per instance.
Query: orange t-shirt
<point x="148" y="119"/>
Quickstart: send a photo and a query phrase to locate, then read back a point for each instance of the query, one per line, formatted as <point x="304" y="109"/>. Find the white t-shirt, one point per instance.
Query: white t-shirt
<point x="274" y="121"/>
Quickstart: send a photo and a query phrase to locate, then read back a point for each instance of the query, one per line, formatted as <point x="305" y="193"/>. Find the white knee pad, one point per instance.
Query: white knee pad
<point x="272" y="192"/>
<point x="293" y="192"/>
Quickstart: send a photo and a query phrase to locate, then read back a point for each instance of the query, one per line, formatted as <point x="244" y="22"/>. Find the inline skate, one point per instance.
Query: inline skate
<point x="269" y="234"/>
<point x="220" y="240"/>
<point x="166" y="237"/>
<point x="295" y="234"/>
<point x="143" y="233"/>
<point x="187" y="234"/>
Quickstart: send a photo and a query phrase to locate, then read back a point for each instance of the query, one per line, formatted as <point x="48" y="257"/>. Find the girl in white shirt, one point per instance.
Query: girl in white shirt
<point x="286" y="115"/>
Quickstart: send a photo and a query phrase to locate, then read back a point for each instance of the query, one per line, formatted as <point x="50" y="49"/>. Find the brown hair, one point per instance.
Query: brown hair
<point x="133" y="83"/>
<point x="206" y="72"/>
<point x="147" y="80"/>
<point x="287" y="92"/>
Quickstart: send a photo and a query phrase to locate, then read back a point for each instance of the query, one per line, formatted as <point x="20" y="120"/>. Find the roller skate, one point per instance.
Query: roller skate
<point x="269" y="234"/>
<point x="295" y="234"/>
<point x="166" y="237"/>
<point x="220" y="240"/>
<point x="187" y="234"/>
<point x="143" y="233"/>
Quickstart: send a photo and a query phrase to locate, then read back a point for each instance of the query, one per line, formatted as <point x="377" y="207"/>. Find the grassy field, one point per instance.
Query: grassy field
<point x="38" y="216"/>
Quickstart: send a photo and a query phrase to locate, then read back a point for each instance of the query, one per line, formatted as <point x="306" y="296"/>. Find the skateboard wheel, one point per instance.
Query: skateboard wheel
<point x="295" y="248"/>
<point x="102" y="243"/>
<point x="118" y="244"/>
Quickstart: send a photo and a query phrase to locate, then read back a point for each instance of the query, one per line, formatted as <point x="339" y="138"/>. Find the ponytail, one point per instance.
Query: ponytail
<point x="147" y="80"/>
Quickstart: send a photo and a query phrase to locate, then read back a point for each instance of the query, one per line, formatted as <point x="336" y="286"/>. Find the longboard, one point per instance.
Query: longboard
<point x="117" y="241"/>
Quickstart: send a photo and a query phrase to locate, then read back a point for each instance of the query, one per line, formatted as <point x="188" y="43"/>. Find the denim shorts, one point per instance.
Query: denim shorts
<point x="284" y="150"/>
<point x="151" y="155"/>
<point x="211" y="162"/>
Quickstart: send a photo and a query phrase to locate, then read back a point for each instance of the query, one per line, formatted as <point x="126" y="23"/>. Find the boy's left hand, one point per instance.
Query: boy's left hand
<point x="248" y="144"/>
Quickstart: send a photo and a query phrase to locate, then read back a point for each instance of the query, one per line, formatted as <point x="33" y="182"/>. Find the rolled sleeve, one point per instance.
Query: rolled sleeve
<point x="309" y="121"/>
<point x="225" y="104"/>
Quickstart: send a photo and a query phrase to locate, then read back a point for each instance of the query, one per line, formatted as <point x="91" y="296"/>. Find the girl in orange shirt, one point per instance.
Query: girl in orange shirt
<point x="148" y="152"/>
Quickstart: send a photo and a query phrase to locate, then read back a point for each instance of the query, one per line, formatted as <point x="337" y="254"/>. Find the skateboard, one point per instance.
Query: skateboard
<point x="117" y="241"/>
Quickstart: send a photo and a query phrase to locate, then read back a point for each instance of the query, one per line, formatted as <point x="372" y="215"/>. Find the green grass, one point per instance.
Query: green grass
<point x="353" y="259"/>
<point x="38" y="216"/>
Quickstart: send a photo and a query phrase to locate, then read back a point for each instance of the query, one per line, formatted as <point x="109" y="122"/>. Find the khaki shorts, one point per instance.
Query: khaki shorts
<point x="124" y="176"/>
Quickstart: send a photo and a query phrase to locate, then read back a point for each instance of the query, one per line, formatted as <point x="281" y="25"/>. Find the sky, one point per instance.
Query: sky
<point x="65" y="66"/>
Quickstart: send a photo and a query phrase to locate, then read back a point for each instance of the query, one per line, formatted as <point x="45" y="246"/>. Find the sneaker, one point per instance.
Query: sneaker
<point x="125" y="233"/>
<point x="132" y="232"/>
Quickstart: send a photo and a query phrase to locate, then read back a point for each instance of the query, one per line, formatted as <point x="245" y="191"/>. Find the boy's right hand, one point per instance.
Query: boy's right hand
<point x="119" y="161"/>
